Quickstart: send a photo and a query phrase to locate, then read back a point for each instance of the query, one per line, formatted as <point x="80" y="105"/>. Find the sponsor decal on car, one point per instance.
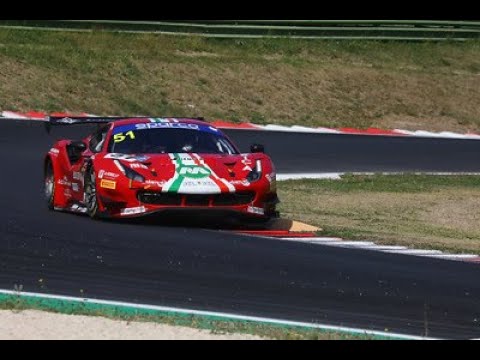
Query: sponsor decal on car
<point x="141" y="158"/>
<point x="128" y="158"/>
<point x="194" y="172"/>
<point x="108" y="184"/>
<point x="247" y="163"/>
<point x="196" y="183"/>
<point x="194" y="176"/>
<point x="121" y="137"/>
<point x="164" y="120"/>
<point x="77" y="176"/>
<point x="64" y="182"/>
<point x="167" y="126"/>
<point x="159" y="184"/>
<point x="255" y="210"/>
<point x="133" y="211"/>
<point x="102" y="174"/>
<point x="138" y="166"/>
<point x="245" y="183"/>
<point x="54" y="151"/>
<point x="121" y="133"/>
<point x="114" y="156"/>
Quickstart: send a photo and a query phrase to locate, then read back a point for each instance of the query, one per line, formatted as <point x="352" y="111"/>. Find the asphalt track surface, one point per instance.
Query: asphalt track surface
<point x="314" y="153"/>
<point x="62" y="254"/>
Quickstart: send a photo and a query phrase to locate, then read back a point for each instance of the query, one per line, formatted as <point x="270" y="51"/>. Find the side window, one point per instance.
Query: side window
<point x="98" y="139"/>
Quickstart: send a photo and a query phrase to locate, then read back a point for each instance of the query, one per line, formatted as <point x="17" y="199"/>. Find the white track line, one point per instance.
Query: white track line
<point x="338" y="176"/>
<point x="313" y="240"/>
<point x="216" y="314"/>
<point x="319" y="176"/>
<point x="371" y="246"/>
<point x="415" y="252"/>
<point x="356" y="243"/>
<point x="453" y="256"/>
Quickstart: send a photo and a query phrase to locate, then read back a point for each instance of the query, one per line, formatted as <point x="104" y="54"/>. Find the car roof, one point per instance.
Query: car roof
<point x="133" y="120"/>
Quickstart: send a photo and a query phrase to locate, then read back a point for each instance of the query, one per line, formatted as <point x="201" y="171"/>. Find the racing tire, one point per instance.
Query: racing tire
<point x="91" y="199"/>
<point x="49" y="185"/>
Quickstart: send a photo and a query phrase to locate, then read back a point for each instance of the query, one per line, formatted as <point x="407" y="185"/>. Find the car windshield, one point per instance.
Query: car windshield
<point x="141" y="139"/>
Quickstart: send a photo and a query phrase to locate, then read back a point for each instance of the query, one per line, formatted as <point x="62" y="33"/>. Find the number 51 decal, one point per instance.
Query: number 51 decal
<point x="122" y="137"/>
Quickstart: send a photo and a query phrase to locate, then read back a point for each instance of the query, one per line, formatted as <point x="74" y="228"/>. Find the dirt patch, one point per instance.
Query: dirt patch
<point x="459" y="211"/>
<point x="36" y="325"/>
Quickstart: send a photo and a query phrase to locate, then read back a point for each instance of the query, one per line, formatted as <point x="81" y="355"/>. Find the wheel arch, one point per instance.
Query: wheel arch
<point x="55" y="163"/>
<point x="91" y="165"/>
<point x="59" y="200"/>
<point x="47" y="160"/>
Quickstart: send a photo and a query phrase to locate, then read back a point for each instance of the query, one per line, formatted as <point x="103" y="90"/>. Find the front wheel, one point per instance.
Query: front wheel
<point x="91" y="200"/>
<point x="49" y="185"/>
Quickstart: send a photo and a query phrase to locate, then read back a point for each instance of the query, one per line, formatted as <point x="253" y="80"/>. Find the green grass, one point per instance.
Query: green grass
<point x="216" y="326"/>
<point x="427" y="212"/>
<point x="430" y="86"/>
<point x="386" y="183"/>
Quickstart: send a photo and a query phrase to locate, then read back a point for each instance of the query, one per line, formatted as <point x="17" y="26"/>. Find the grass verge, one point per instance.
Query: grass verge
<point x="216" y="325"/>
<point x="430" y="86"/>
<point x="426" y="212"/>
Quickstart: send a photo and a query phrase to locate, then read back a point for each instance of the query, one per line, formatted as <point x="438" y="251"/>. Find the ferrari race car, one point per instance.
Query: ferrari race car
<point x="134" y="167"/>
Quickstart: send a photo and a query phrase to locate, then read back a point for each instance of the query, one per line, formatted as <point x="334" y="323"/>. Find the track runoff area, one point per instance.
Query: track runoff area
<point x="309" y="281"/>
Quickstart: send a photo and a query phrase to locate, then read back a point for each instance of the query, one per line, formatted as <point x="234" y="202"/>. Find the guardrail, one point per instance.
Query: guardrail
<point x="414" y="30"/>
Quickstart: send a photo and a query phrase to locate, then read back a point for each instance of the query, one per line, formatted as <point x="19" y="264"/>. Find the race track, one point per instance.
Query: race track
<point x="314" y="153"/>
<point x="191" y="268"/>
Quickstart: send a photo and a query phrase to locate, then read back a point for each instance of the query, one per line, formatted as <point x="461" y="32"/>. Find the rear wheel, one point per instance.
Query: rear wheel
<point x="49" y="185"/>
<point x="91" y="200"/>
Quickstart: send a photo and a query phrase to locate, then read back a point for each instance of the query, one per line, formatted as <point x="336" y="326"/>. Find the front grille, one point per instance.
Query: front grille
<point x="197" y="200"/>
<point x="234" y="199"/>
<point x="160" y="199"/>
<point x="167" y="199"/>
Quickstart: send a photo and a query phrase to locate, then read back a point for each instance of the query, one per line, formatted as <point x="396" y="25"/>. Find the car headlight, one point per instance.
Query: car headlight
<point x="129" y="173"/>
<point x="133" y="175"/>
<point x="255" y="174"/>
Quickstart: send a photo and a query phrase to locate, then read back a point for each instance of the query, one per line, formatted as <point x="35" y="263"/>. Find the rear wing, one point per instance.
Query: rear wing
<point x="78" y="120"/>
<point x="74" y="120"/>
<point x="85" y="120"/>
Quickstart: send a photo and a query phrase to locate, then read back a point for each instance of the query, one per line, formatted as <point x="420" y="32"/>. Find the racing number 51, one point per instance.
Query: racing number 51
<point x="122" y="137"/>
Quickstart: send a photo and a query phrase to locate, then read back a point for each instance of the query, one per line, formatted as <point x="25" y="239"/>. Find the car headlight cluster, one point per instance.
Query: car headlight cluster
<point x="255" y="174"/>
<point x="129" y="173"/>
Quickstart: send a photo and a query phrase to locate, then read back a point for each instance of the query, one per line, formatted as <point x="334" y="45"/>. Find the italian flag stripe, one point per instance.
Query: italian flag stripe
<point x="220" y="184"/>
<point x="210" y="184"/>
<point x="175" y="187"/>
<point x="224" y="185"/>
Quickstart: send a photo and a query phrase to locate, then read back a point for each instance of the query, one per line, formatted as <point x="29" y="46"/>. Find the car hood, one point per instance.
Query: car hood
<point x="192" y="173"/>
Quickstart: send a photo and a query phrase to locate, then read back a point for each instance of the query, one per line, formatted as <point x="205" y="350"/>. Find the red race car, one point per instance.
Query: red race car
<point x="133" y="167"/>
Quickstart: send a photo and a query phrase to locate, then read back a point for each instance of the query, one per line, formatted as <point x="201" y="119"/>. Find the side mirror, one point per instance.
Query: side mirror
<point x="78" y="147"/>
<point x="257" y="148"/>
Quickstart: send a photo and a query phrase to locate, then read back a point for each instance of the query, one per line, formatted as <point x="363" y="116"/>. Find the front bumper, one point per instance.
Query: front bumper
<point x="141" y="203"/>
